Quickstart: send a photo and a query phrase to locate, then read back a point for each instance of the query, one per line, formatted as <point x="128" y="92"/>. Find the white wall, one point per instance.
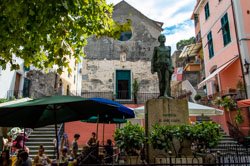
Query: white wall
<point x="7" y="79"/>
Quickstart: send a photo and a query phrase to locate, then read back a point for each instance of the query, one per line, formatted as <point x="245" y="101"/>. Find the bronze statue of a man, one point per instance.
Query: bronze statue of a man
<point x="162" y="64"/>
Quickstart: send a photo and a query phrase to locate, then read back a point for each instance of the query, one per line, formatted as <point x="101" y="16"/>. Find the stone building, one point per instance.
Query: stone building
<point x="111" y="66"/>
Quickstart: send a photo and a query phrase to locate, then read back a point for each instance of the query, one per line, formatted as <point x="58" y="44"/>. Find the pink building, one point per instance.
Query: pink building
<point x="223" y="27"/>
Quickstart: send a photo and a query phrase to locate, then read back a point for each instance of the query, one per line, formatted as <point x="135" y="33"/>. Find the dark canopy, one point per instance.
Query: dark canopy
<point x="58" y="109"/>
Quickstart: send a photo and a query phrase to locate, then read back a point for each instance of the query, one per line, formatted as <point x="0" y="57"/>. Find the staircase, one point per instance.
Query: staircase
<point x="227" y="145"/>
<point x="42" y="136"/>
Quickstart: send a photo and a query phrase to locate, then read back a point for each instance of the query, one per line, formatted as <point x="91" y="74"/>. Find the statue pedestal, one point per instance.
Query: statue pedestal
<point x="164" y="112"/>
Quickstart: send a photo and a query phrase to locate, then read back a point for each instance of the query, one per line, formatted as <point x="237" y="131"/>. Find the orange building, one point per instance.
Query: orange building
<point x="223" y="27"/>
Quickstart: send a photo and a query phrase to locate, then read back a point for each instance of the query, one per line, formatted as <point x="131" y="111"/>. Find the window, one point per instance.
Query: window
<point x="196" y="19"/>
<point x="210" y="44"/>
<point x="125" y="36"/>
<point x="207" y="13"/>
<point x="225" y="30"/>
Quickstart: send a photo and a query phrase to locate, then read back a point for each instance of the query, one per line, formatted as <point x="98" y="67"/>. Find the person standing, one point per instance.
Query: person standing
<point x="75" y="146"/>
<point x="162" y="64"/>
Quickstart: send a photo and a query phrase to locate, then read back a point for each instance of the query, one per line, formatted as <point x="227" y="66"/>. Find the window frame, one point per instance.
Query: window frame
<point x="207" y="11"/>
<point x="210" y="45"/>
<point x="225" y="29"/>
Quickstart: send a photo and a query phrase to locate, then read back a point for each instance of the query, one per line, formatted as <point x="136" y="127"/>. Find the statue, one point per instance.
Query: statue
<point x="162" y="64"/>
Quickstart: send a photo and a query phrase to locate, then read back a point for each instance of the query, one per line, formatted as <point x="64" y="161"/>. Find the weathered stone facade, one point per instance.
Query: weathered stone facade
<point x="106" y="55"/>
<point x="41" y="84"/>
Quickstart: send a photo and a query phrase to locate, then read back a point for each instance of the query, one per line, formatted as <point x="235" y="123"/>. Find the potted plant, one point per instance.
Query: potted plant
<point x="130" y="139"/>
<point x="201" y="135"/>
<point x="197" y="97"/>
<point x="135" y="86"/>
<point x="226" y="102"/>
<point x="174" y="140"/>
<point x="205" y="135"/>
<point x="161" y="137"/>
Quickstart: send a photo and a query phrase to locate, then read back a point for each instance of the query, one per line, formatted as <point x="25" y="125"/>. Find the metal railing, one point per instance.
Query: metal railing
<point x="16" y="94"/>
<point x="236" y="94"/>
<point x="142" y="97"/>
<point x="208" y="159"/>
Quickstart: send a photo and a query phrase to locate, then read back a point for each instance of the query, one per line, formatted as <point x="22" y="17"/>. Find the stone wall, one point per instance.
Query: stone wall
<point x="41" y="84"/>
<point x="99" y="76"/>
<point x="105" y="55"/>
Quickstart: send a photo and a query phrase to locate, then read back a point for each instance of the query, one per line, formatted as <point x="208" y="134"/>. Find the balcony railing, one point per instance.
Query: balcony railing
<point x="235" y="94"/>
<point x="142" y="97"/>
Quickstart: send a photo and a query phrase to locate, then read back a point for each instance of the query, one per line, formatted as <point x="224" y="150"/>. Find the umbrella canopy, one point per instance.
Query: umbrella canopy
<point x="103" y="120"/>
<point x="243" y="103"/>
<point x="198" y="110"/>
<point x="107" y="120"/>
<point x="15" y="101"/>
<point x="193" y="108"/>
<point x="58" y="109"/>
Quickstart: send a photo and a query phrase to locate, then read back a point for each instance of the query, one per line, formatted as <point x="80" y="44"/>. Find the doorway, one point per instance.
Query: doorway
<point x="123" y="84"/>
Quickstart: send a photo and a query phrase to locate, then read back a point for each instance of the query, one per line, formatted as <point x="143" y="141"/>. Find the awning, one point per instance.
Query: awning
<point x="204" y="82"/>
<point x="190" y="50"/>
<point x="243" y="103"/>
<point x="194" y="109"/>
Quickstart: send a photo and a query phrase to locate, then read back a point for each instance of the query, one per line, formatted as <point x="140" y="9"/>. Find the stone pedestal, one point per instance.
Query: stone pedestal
<point x="164" y="112"/>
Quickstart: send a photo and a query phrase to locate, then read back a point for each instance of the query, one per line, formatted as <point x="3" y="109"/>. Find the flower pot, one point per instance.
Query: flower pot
<point x="185" y="148"/>
<point x="132" y="160"/>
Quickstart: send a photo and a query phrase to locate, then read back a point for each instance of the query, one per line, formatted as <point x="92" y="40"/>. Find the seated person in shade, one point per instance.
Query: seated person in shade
<point x="41" y="159"/>
<point x="64" y="157"/>
<point x="108" y="152"/>
<point x="26" y="161"/>
<point x="93" y="140"/>
<point x="5" y="158"/>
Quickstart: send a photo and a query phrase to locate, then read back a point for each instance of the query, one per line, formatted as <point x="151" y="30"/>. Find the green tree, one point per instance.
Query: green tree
<point x="182" y="43"/>
<point x="42" y="32"/>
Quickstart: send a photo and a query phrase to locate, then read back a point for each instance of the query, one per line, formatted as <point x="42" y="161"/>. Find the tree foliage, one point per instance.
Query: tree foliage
<point x="182" y="43"/>
<point x="42" y="32"/>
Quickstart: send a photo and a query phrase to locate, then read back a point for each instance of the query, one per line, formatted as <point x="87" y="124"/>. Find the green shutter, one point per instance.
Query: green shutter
<point x="225" y="30"/>
<point x="207" y="13"/>
<point x="210" y="44"/>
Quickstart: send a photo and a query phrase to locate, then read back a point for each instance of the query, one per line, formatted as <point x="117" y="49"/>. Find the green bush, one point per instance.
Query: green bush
<point x="206" y="134"/>
<point x="130" y="138"/>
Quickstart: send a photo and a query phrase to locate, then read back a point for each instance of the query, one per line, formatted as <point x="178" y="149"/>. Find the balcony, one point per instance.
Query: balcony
<point x="235" y="94"/>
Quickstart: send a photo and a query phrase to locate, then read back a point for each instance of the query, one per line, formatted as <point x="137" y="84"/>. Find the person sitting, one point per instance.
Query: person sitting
<point x="64" y="157"/>
<point x="5" y="158"/>
<point x="41" y="159"/>
<point x="108" y="152"/>
<point x="93" y="140"/>
<point x="26" y="161"/>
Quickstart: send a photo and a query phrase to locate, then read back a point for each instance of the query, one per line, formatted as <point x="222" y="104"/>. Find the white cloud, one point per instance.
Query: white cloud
<point x="170" y="12"/>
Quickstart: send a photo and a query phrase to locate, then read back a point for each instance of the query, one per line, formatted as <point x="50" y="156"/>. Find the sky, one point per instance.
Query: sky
<point x="175" y="14"/>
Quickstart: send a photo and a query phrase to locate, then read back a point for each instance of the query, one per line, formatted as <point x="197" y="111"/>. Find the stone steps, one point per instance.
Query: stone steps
<point x="42" y="136"/>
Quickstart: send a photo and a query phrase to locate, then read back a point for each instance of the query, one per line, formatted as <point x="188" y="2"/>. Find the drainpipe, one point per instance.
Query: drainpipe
<point x="238" y="46"/>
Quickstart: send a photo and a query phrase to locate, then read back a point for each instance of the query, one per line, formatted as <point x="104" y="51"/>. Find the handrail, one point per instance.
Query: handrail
<point x="60" y="132"/>
<point x="188" y="86"/>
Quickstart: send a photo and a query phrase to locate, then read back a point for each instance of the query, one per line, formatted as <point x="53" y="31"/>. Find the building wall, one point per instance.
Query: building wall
<point x="242" y="16"/>
<point x="105" y="55"/>
<point x="222" y="54"/>
<point x="8" y="78"/>
<point x="72" y="80"/>
<point x="99" y="75"/>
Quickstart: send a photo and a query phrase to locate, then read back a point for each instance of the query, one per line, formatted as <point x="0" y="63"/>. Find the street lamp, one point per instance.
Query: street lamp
<point x="246" y="65"/>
